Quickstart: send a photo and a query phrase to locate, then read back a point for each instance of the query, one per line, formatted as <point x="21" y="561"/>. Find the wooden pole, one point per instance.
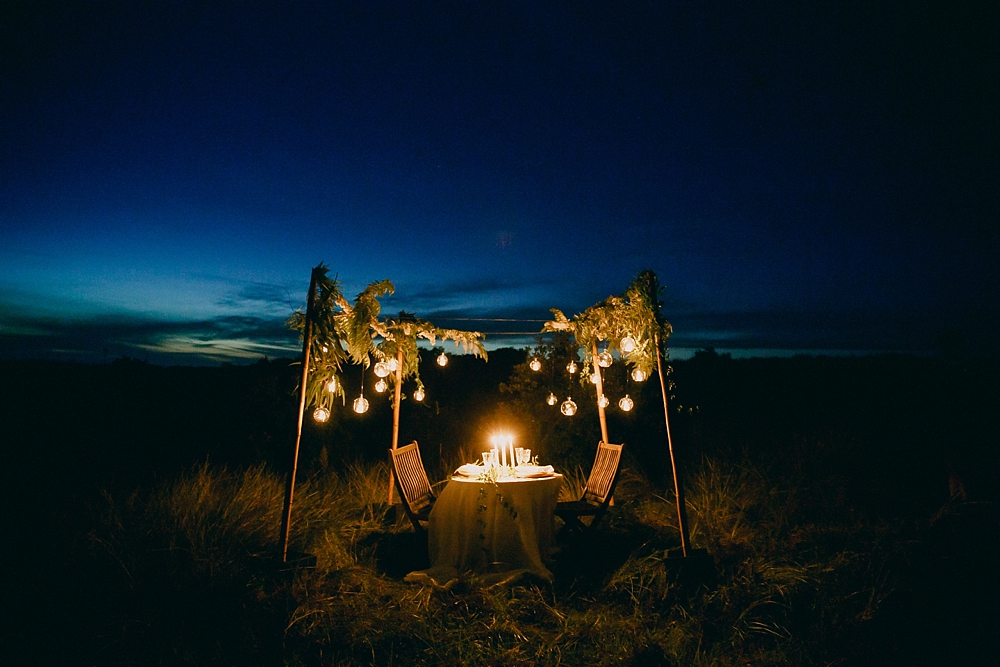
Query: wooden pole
<point x="286" y="515"/>
<point x="395" y="417"/>
<point x="600" y="408"/>
<point x="678" y="487"/>
<point x="600" y="392"/>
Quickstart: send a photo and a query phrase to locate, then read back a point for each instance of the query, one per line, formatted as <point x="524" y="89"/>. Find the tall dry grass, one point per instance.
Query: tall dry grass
<point x="787" y="590"/>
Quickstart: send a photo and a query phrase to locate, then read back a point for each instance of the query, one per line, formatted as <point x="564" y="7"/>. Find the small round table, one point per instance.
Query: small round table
<point x="497" y="530"/>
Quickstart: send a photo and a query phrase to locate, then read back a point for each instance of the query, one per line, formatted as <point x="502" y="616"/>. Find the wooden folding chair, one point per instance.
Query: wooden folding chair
<point x="597" y="493"/>
<point x="412" y="483"/>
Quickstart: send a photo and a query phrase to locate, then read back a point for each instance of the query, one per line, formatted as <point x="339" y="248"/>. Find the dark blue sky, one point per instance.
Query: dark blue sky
<point x="801" y="176"/>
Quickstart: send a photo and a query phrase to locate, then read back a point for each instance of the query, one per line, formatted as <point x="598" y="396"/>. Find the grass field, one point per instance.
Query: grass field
<point x="150" y="537"/>
<point x="194" y="579"/>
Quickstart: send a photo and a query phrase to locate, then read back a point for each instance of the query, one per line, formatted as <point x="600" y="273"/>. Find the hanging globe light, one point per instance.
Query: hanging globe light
<point x="552" y="400"/>
<point x="568" y="407"/>
<point x="381" y="385"/>
<point x="381" y="369"/>
<point x="603" y="401"/>
<point x="571" y="367"/>
<point x="627" y="344"/>
<point x="626" y="403"/>
<point x="596" y="377"/>
<point x="321" y="414"/>
<point x="442" y="359"/>
<point x="535" y="364"/>
<point x="418" y="395"/>
<point x="361" y="405"/>
<point x="392" y="365"/>
<point x="638" y="374"/>
<point x="331" y="386"/>
<point x="604" y="359"/>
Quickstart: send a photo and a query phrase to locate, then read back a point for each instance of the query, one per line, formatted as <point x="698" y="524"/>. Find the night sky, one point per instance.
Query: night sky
<point x="815" y="177"/>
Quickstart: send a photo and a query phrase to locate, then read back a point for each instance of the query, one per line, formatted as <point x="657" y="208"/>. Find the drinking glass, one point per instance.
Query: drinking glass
<point x="487" y="458"/>
<point x="519" y="453"/>
<point x="527" y="456"/>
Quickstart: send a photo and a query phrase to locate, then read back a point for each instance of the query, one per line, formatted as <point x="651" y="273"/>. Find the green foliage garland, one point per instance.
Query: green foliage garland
<point x="635" y="313"/>
<point x="329" y="350"/>
<point x="403" y="332"/>
<point x="344" y="332"/>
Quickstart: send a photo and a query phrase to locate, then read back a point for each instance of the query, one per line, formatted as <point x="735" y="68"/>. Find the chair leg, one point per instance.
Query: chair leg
<point x="573" y="523"/>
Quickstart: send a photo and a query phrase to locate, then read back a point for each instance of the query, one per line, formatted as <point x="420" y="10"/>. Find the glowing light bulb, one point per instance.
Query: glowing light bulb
<point x="627" y="344"/>
<point x="596" y="377"/>
<point x="418" y="395"/>
<point x="603" y="401"/>
<point x="381" y="369"/>
<point x="443" y="359"/>
<point x="361" y="405"/>
<point x="604" y="359"/>
<point x="392" y="365"/>
<point x="626" y="403"/>
<point x="535" y="365"/>
<point x="331" y="386"/>
<point x="321" y="414"/>
<point x="638" y="375"/>
<point x="552" y="400"/>
<point x="568" y="407"/>
<point x="571" y="367"/>
<point x="381" y="385"/>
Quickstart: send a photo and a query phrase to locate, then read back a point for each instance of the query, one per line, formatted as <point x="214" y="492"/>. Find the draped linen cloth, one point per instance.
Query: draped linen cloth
<point x="499" y="531"/>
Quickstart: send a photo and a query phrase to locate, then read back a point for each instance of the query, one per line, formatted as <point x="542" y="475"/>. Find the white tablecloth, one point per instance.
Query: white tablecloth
<point x="497" y="531"/>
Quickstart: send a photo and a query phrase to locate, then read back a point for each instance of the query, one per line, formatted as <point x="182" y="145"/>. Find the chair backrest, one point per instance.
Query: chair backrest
<point x="604" y="474"/>
<point x="411" y="478"/>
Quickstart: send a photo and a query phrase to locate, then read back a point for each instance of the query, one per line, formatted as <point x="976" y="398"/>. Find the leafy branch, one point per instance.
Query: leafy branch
<point x="353" y="332"/>
<point x="633" y="315"/>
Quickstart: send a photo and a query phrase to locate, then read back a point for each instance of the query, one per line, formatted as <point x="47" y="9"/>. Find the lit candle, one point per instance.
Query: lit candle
<point x="510" y="444"/>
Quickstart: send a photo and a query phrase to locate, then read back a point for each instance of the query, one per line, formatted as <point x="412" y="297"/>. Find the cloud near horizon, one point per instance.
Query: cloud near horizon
<point x="239" y="338"/>
<point x="96" y="339"/>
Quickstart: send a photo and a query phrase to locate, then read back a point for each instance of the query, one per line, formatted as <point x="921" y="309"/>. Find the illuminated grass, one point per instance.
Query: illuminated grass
<point x="192" y="579"/>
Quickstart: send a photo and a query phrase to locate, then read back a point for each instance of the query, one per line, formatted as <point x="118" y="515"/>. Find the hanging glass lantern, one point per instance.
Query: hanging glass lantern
<point x="442" y="359"/>
<point x="571" y="367"/>
<point x="535" y="364"/>
<point x="418" y="395"/>
<point x="568" y="407"/>
<point x="638" y="374"/>
<point x="361" y="405"/>
<point x="604" y="359"/>
<point x="626" y="403"/>
<point x="321" y="414"/>
<point x="381" y="369"/>
<point x="627" y="344"/>
<point x="381" y="385"/>
<point x="392" y="364"/>
<point x="552" y="400"/>
<point x="603" y="401"/>
<point x="331" y="386"/>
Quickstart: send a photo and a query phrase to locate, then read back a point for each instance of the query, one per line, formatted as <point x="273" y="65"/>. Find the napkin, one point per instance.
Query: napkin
<point x="469" y="470"/>
<point x="535" y="471"/>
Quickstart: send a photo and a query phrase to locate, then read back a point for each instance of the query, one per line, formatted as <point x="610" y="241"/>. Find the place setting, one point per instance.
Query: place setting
<point x="503" y="463"/>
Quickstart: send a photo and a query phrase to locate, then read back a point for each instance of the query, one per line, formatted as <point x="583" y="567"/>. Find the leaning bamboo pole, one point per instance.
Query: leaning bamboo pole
<point x="286" y="515"/>
<point x="397" y="398"/>
<point x="678" y="486"/>
<point x="600" y="393"/>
